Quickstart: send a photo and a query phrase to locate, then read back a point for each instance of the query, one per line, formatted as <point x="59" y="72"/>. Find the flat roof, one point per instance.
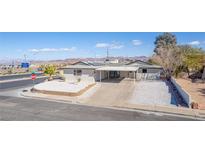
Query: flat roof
<point x="80" y="67"/>
<point x="117" y="68"/>
<point x="114" y="67"/>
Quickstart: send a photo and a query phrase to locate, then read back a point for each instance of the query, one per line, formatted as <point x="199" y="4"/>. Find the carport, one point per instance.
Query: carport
<point x="119" y="69"/>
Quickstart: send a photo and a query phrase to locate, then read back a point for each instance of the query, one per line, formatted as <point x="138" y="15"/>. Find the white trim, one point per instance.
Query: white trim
<point x="117" y="68"/>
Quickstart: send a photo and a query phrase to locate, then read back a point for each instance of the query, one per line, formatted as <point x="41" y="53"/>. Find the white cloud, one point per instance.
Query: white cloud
<point x="102" y="45"/>
<point x="194" y="43"/>
<point x="136" y="42"/>
<point x="116" y="46"/>
<point x="52" y="49"/>
<point x="113" y="45"/>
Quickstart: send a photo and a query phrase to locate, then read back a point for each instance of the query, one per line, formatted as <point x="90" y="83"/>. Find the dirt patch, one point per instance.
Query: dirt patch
<point x="195" y="89"/>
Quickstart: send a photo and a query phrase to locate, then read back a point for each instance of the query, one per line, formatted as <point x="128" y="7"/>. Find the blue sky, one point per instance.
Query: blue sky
<point x="50" y="46"/>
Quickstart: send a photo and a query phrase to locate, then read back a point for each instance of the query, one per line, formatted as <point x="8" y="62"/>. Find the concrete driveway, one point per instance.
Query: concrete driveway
<point x="126" y="91"/>
<point x="112" y="93"/>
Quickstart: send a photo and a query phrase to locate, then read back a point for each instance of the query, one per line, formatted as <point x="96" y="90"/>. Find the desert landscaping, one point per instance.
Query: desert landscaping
<point x="195" y="89"/>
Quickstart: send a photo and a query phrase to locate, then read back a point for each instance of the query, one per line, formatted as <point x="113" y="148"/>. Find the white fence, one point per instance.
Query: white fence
<point x="185" y="95"/>
<point x="148" y="76"/>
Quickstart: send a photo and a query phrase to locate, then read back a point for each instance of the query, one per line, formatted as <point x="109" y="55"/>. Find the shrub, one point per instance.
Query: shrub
<point x="50" y="70"/>
<point x="79" y="79"/>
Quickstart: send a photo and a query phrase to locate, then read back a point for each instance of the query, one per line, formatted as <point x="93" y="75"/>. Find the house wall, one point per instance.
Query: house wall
<point x="127" y="74"/>
<point x="131" y="75"/>
<point x="68" y="71"/>
<point x="88" y="73"/>
<point x="85" y="72"/>
<point x="124" y="74"/>
<point x="104" y="75"/>
<point x="152" y="74"/>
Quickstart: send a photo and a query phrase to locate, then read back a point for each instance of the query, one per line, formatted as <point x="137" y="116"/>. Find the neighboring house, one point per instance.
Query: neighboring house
<point x="98" y="71"/>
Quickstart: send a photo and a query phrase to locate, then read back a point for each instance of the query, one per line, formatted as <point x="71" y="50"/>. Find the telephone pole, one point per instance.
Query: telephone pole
<point x="107" y="54"/>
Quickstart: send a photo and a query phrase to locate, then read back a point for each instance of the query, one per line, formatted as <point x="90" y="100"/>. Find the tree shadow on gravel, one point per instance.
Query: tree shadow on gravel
<point x="202" y="91"/>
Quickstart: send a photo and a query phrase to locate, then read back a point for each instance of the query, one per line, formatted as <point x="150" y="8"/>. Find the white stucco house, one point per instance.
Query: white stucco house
<point x="98" y="71"/>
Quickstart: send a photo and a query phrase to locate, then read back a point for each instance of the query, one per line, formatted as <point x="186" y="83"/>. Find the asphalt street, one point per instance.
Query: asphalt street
<point x="18" y="76"/>
<point x="24" y="109"/>
<point x="20" y="83"/>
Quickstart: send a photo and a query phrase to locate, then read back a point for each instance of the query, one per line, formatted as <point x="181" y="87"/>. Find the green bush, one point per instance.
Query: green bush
<point x="50" y="70"/>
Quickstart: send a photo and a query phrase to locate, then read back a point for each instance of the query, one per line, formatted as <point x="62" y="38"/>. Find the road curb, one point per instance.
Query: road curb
<point x="195" y="117"/>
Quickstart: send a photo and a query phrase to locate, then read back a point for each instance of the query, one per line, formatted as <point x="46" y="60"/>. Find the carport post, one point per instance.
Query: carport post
<point x="108" y="75"/>
<point x="134" y="76"/>
<point x="100" y="76"/>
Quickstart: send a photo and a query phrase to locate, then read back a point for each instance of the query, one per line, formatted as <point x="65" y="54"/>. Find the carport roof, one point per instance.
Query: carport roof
<point x="117" y="68"/>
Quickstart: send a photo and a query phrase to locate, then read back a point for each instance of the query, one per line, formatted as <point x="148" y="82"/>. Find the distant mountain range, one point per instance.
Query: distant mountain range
<point x="70" y="60"/>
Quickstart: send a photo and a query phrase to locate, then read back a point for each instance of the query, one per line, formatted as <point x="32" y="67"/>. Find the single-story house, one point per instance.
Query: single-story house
<point x="138" y="70"/>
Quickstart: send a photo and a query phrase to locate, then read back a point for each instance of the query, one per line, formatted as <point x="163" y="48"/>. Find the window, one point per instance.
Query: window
<point x="144" y="70"/>
<point x="78" y="72"/>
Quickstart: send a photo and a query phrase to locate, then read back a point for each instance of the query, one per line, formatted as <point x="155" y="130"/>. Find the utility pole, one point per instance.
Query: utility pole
<point x="25" y="57"/>
<point x="12" y="64"/>
<point x="107" y="54"/>
<point x="95" y="57"/>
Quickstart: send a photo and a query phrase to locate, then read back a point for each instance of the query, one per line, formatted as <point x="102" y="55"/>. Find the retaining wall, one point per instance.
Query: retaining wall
<point x="185" y="95"/>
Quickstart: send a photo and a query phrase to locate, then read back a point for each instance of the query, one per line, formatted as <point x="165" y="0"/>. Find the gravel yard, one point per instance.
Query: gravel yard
<point x="153" y="92"/>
